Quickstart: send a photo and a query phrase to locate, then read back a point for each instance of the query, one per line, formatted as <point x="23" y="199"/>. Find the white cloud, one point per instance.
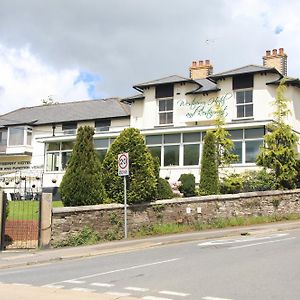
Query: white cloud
<point x="25" y="80"/>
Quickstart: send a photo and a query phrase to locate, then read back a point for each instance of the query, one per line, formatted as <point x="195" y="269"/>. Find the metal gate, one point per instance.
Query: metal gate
<point x="21" y="211"/>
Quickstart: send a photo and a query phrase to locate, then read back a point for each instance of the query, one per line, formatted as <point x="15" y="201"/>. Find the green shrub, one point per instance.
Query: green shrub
<point x="82" y="182"/>
<point x="247" y="182"/>
<point x="187" y="186"/>
<point x="209" y="177"/>
<point x="86" y="236"/>
<point x="141" y="182"/>
<point x="164" y="190"/>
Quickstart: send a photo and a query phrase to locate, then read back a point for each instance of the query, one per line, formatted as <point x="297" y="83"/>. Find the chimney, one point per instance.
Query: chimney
<point x="278" y="60"/>
<point x="200" y="69"/>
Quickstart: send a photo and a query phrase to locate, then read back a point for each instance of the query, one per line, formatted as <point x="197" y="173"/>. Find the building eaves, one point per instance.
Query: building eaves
<point x="131" y="99"/>
<point x="206" y="85"/>
<point x="288" y="81"/>
<point x="164" y="80"/>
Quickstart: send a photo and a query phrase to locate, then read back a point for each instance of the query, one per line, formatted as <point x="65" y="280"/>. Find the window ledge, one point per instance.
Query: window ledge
<point x="243" y="119"/>
<point x="164" y="126"/>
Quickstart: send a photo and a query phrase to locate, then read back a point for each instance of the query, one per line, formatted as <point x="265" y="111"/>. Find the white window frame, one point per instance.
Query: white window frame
<point x="244" y="104"/>
<point x="165" y="111"/>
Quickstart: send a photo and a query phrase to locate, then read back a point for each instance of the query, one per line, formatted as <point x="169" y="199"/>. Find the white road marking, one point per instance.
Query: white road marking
<point x="118" y="294"/>
<point x="243" y="240"/>
<point x="262" y="243"/>
<point x="102" y="284"/>
<point x="214" y="298"/>
<point x="155" y="298"/>
<point x="53" y="286"/>
<point x="137" y="289"/>
<point x="171" y="293"/>
<point x="124" y="269"/>
<point x="22" y="284"/>
<point x="75" y="281"/>
<point x="83" y="290"/>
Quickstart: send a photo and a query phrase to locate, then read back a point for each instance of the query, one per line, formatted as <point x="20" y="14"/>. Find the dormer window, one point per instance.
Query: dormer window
<point x="69" y="127"/>
<point x="164" y="93"/>
<point x="102" y="125"/>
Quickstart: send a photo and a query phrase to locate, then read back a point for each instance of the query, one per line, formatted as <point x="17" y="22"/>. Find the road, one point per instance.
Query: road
<point x="245" y="267"/>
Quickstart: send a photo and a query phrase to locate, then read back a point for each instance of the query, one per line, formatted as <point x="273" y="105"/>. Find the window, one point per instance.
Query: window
<point x="69" y="128"/>
<point x="191" y="148"/>
<point x="165" y="111"/>
<point x="52" y="161"/>
<point x="3" y="139"/>
<point x="244" y="103"/>
<point x="247" y="143"/>
<point x="102" y="125"/>
<point x="16" y="136"/>
<point x="171" y="155"/>
<point x="65" y="157"/>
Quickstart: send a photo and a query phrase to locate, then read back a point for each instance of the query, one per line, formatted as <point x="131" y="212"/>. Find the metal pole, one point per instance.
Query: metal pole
<point x="125" y="208"/>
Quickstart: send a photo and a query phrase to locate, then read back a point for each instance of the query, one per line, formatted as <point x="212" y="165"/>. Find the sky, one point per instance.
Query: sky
<point x="73" y="50"/>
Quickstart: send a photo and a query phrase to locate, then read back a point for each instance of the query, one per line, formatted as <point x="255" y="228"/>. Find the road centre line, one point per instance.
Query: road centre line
<point x="214" y="298"/>
<point x="102" y="284"/>
<point x="136" y="289"/>
<point x="155" y="298"/>
<point x="53" y="286"/>
<point x="171" y="293"/>
<point x="123" y="269"/>
<point x="243" y="240"/>
<point x="75" y="281"/>
<point x="262" y="243"/>
<point x="118" y="294"/>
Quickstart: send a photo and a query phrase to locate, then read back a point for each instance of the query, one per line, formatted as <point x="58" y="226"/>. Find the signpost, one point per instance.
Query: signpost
<point x="123" y="170"/>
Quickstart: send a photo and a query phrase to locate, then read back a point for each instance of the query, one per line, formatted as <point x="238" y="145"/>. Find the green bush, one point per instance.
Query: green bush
<point x="141" y="182"/>
<point x="164" y="190"/>
<point x="247" y="182"/>
<point x="82" y="182"/>
<point x="209" y="177"/>
<point x="187" y="186"/>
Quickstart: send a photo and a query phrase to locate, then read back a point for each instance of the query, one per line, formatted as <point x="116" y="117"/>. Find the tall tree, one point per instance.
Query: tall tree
<point x="224" y="144"/>
<point x="82" y="182"/>
<point x="209" y="179"/>
<point x="280" y="143"/>
<point x="142" y="181"/>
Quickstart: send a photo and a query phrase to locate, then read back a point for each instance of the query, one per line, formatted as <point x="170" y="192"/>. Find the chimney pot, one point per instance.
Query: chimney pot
<point x="268" y="53"/>
<point x="281" y="51"/>
<point x="194" y="63"/>
<point x="207" y="62"/>
<point x="274" y="52"/>
<point x="200" y="62"/>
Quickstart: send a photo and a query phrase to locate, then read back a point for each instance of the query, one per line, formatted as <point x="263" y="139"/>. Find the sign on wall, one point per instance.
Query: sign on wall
<point x="9" y="166"/>
<point x="202" y="109"/>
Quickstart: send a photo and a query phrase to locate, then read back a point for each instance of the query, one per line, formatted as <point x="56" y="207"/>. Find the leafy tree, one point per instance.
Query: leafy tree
<point x="141" y="182"/>
<point x="82" y="182"/>
<point x="209" y="179"/>
<point x="49" y="101"/>
<point x="279" y="151"/>
<point x="224" y="144"/>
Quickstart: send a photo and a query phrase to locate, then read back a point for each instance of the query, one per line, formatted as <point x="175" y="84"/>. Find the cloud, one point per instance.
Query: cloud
<point x="25" y="80"/>
<point x="91" y="80"/>
<point x="278" y="29"/>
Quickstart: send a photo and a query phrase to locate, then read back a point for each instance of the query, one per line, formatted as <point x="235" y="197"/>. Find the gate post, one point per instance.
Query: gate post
<point x="2" y="219"/>
<point x="45" y="220"/>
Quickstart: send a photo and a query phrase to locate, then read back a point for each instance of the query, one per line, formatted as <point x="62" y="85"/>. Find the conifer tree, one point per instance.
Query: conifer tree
<point x="142" y="181"/>
<point x="209" y="179"/>
<point x="224" y="144"/>
<point x="82" y="182"/>
<point x="279" y="151"/>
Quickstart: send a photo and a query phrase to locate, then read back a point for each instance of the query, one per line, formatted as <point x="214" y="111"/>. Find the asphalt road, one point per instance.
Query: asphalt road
<point x="250" y="267"/>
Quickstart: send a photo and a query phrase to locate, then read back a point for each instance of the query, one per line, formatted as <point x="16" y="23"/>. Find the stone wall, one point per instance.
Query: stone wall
<point x="107" y="219"/>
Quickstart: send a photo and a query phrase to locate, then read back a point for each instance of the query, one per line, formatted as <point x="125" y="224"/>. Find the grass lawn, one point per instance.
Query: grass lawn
<point x="26" y="209"/>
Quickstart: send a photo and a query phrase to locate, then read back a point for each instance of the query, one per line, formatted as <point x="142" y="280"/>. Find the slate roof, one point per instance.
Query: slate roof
<point x="168" y="79"/>
<point x="67" y="112"/>
<point x="205" y="86"/>
<point x="288" y="80"/>
<point x="244" y="70"/>
<point x="133" y="98"/>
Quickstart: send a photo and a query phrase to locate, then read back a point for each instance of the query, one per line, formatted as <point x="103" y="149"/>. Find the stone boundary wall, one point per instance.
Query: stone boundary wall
<point x="107" y="219"/>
